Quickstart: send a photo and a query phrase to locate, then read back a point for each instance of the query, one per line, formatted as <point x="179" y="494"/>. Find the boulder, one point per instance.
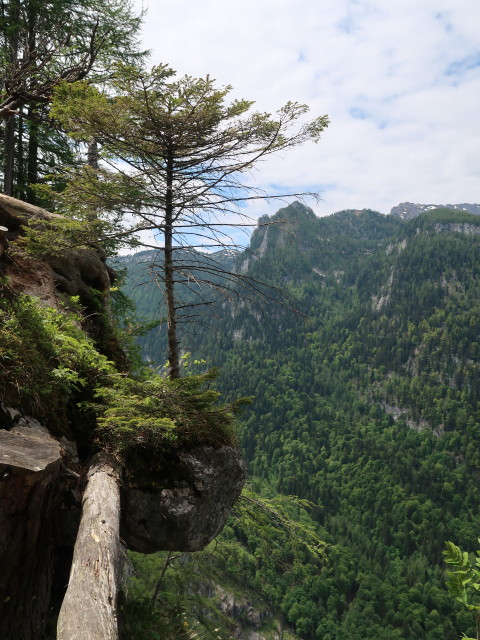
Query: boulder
<point x="189" y="505"/>
<point x="79" y="271"/>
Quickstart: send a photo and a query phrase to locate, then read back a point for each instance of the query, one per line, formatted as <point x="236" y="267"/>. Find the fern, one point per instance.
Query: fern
<point x="463" y="580"/>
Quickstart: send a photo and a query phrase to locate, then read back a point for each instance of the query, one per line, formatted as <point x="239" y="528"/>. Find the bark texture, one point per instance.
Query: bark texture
<point x="89" y="609"/>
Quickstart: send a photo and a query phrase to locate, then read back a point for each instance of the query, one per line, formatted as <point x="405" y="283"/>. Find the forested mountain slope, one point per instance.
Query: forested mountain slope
<point x="368" y="406"/>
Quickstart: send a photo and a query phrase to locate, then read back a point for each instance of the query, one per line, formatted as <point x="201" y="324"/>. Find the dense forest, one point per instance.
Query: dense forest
<point x="365" y="404"/>
<point x="361" y="351"/>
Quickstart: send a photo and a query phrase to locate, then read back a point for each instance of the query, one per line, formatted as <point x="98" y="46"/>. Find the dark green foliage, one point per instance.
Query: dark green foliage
<point x="50" y="367"/>
<point x="140" y="420"/>
<point x="368" y="408"/>
<point x="46" y="359"/>
<point x="41" y="44"/>
<point x="267" y="549"/>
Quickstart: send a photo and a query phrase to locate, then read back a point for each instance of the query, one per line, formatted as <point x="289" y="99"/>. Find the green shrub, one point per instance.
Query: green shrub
<point x="145" y="417"/>
<point x="45" y="357"/>
<point x="48" y="364"/>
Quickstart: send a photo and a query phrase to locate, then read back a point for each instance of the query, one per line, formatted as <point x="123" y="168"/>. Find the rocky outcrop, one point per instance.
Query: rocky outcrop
<point x="75" y="272"/>
<point x="43" y="484"/>
<point x="458" y="227"/>
<point x="409" y="210"/>
<point x="30" y="497"/>
<point x="188" y="507"/>
<point x="40" y="512"/>
<point x="240" y="609"/>
<point x="244" y="617"/>
<point x="80" y="271"/>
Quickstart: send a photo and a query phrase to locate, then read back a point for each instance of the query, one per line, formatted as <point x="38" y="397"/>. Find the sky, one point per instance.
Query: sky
<point x="399" y="79"/>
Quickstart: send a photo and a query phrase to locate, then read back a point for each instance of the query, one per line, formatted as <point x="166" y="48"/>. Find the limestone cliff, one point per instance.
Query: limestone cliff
<point x="46" y="446"/>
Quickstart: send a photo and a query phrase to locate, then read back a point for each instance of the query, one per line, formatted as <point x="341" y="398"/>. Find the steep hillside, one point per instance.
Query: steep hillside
<point x="292" y="248"/>
<point x="88" y="449"/>
<point x="367" y="406"/>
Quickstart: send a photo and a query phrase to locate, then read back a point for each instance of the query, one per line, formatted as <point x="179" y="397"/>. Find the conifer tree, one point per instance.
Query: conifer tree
<point x="43" y="43"/>
<point x="178" y="155"/>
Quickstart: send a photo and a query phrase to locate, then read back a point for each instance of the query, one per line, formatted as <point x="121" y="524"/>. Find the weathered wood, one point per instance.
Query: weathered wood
<point x="89" y="609"/>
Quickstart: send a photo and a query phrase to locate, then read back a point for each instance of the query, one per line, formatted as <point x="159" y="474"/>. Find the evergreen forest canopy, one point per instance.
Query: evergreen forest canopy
<point x="367" y="407"/>
<point x="43" y="44"/>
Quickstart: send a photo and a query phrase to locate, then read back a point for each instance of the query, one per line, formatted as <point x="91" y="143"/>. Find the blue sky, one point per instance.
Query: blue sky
<point x="400" y="80"/>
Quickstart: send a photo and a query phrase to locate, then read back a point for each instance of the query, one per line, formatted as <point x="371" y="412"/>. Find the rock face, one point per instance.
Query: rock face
<point x="80" y="271"/>
<point x="42" y="481"/>
<point x="30" y="466"/>
<point x="246" y="619"/>
<point x="195" y="494"/>
<point x="75" y="272"/>
<point x="458" y="227"/>
<point x="409" y="210"/>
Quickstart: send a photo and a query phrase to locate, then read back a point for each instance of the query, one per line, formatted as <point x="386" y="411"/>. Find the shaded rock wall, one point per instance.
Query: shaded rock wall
<point x="74" y="272"/>
<point x="30" y="467"/>
<point x="189" y="505"/>
<point x="41" y="481"/>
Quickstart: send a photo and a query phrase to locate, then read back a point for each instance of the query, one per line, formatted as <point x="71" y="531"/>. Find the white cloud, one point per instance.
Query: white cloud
<point x="400" y="81"/>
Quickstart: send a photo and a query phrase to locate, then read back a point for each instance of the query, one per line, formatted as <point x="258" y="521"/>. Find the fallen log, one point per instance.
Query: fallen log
<point x="89" y="609"/>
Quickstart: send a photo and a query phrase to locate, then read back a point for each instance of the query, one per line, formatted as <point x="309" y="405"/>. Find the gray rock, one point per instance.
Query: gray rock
<point x="79" y="271"/>
<point x="458" y="227"/>
<point x="409" y="210"/>
<point x="27" y="448"/>
<point x="189" y="507"/>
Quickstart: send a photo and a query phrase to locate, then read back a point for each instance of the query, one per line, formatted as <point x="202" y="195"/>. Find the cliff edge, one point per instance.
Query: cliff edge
<point x="64" y="500"/>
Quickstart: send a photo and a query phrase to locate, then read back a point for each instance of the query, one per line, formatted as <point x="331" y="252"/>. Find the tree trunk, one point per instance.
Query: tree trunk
<point x="12" y="53"/>
<point x="19" y="187"/>
<point x="9" y="151"/>
<point x="93" y="157"/>
<point x="173" y="353"/>
<point x="32" y="160"/>
<point x="89" y="609"/>
<point x="32" y="153"/>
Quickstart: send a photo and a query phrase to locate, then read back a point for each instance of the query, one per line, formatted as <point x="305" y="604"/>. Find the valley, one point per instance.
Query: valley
<point x="366" y="403"/>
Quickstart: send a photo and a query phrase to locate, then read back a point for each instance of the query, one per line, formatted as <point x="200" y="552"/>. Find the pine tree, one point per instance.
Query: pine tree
<point x="178" y="154"/>
<point x="41" y="44"/>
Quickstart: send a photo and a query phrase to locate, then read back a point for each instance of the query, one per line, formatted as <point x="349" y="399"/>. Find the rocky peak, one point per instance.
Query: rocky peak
<point x="409" y="210"/>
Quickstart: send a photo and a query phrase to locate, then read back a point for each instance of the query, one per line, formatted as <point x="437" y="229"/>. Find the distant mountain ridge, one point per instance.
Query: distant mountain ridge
<point x="409" y="210"/>
<point x="366" y="405"/>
